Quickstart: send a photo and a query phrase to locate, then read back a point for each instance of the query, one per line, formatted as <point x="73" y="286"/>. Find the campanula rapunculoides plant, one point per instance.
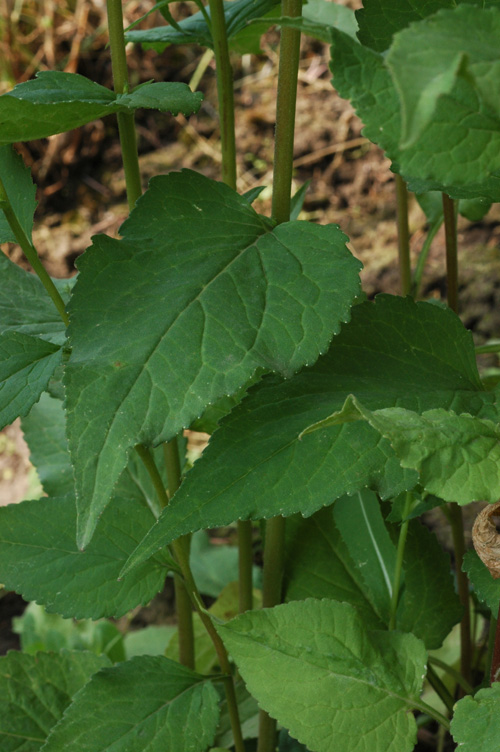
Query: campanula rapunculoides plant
<point x="343" y="420"/>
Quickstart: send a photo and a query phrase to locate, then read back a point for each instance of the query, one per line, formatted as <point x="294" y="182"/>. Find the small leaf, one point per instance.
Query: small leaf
<point x="153" y="703"/>
<point x="318" y="19"/>
<point x="486" y="588"/>
<point x="56" y="101"/>
<point x="476" y="721"/>
<point x="314" y="667"/>
<point x="39" y="558"/>
<point x="35" y="691"/>
<point x="25" y="306"/>
<point x="16" y="178"/>
<point x="362" y="527"/>
<point x="26" y="365"/>
<point x="222" y="293"/>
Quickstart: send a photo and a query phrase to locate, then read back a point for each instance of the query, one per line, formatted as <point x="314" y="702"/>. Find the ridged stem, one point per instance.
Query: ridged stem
<point x="403" y="235"/>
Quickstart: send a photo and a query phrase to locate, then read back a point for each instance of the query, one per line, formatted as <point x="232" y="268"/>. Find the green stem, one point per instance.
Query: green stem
<point x="285" y="113"/>
<point x="225" y="92"/>
<point x="432" y="713"/>
<point x="272" y="583"/>
<point x="450" y="229"/>
<point x="457" y="531"/>
<point x="31" y="254"/>
<point x="182" y="599"/>
<point x="422" y="258"/>
<point x="403" y="235"/>
<point x="491" y="648"/>
<point x="126" y="127"/>
<point x="403" y="532"/>
<point x="220" y="649"/>
<point x="456" y="675"/>
<point x="245" y="551"/>
<point x="440" y="689"/>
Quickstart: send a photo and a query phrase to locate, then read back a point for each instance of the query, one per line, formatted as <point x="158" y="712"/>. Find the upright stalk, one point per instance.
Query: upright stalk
<point x="450" y="229"/>
<point x="454" y="510"/>
<point x="403" y="235"/>
<point x="274" y="547"/>
<point x="31" y="254"/>
<point x="285" y="113"/>
<point x="182" y="599"/>
<point x="126" y="127"/>
<point x="225" y="92"/>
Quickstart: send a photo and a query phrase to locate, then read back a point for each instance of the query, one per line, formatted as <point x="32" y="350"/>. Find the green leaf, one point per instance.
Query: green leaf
<point x="379" y="20"/>
<point x="39" y="630"/>
<point x="393" y="352"/>
<point x="360" y="684"/>
<point x="195" y="30"/>
<point x="26" y="365"/>
<point x="456" y="456"/>
<point x="56" y="101"/>
<point x="25" y="306"/>
<point x="423" y="73"/>
<point x="221" y="294"/>
<point x="486" y="588"/>
<point x="476" y="721"/>
<point x="318" y="565"/>
<point x="39" y="558"/>
<point x="248" y="711"/>
<point x="154" y="704"/>
<point x="429" y="606"/>
<point x="44" y="432"/>
<point x="454" y="154"/>
<point x="35" y="691"/>
<point x="16" y="178"/>
<point x="363" y="530"/>
<point x="297" y="201"/>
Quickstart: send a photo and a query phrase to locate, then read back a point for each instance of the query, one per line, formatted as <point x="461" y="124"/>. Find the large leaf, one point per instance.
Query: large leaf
<point x="20" y="190"/>
<point x="362" y="528"/>
<point x="393" y="352"/>
<point x="454" y="153"/>
<point x="319" y="17"/>
<point x="195" y="30"/>
<point x="35" y="691"/>
<point x="40" y="560"/>
<point x="149" y="702"/>
<point x="218" y="295"/>
<point x="476" y="721"/>
<point x="26" y="366"/>
<point x="25" y="306"/>
<point x="335" y="685"/>
<point x="457" y="456"/>
<point x="55" y="102"/>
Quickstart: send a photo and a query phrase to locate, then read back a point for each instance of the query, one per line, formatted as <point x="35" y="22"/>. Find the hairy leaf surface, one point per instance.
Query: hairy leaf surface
<point x="56" y="101"/>
<point x="26" y="365"/>
<point x="393" y="352"/>
<point x="148" y="702"/>
<point x="40" y="560"/>
<point x="316" y="669"/>
<point x="35" y="691"/>
<point x="198" y="294"/>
